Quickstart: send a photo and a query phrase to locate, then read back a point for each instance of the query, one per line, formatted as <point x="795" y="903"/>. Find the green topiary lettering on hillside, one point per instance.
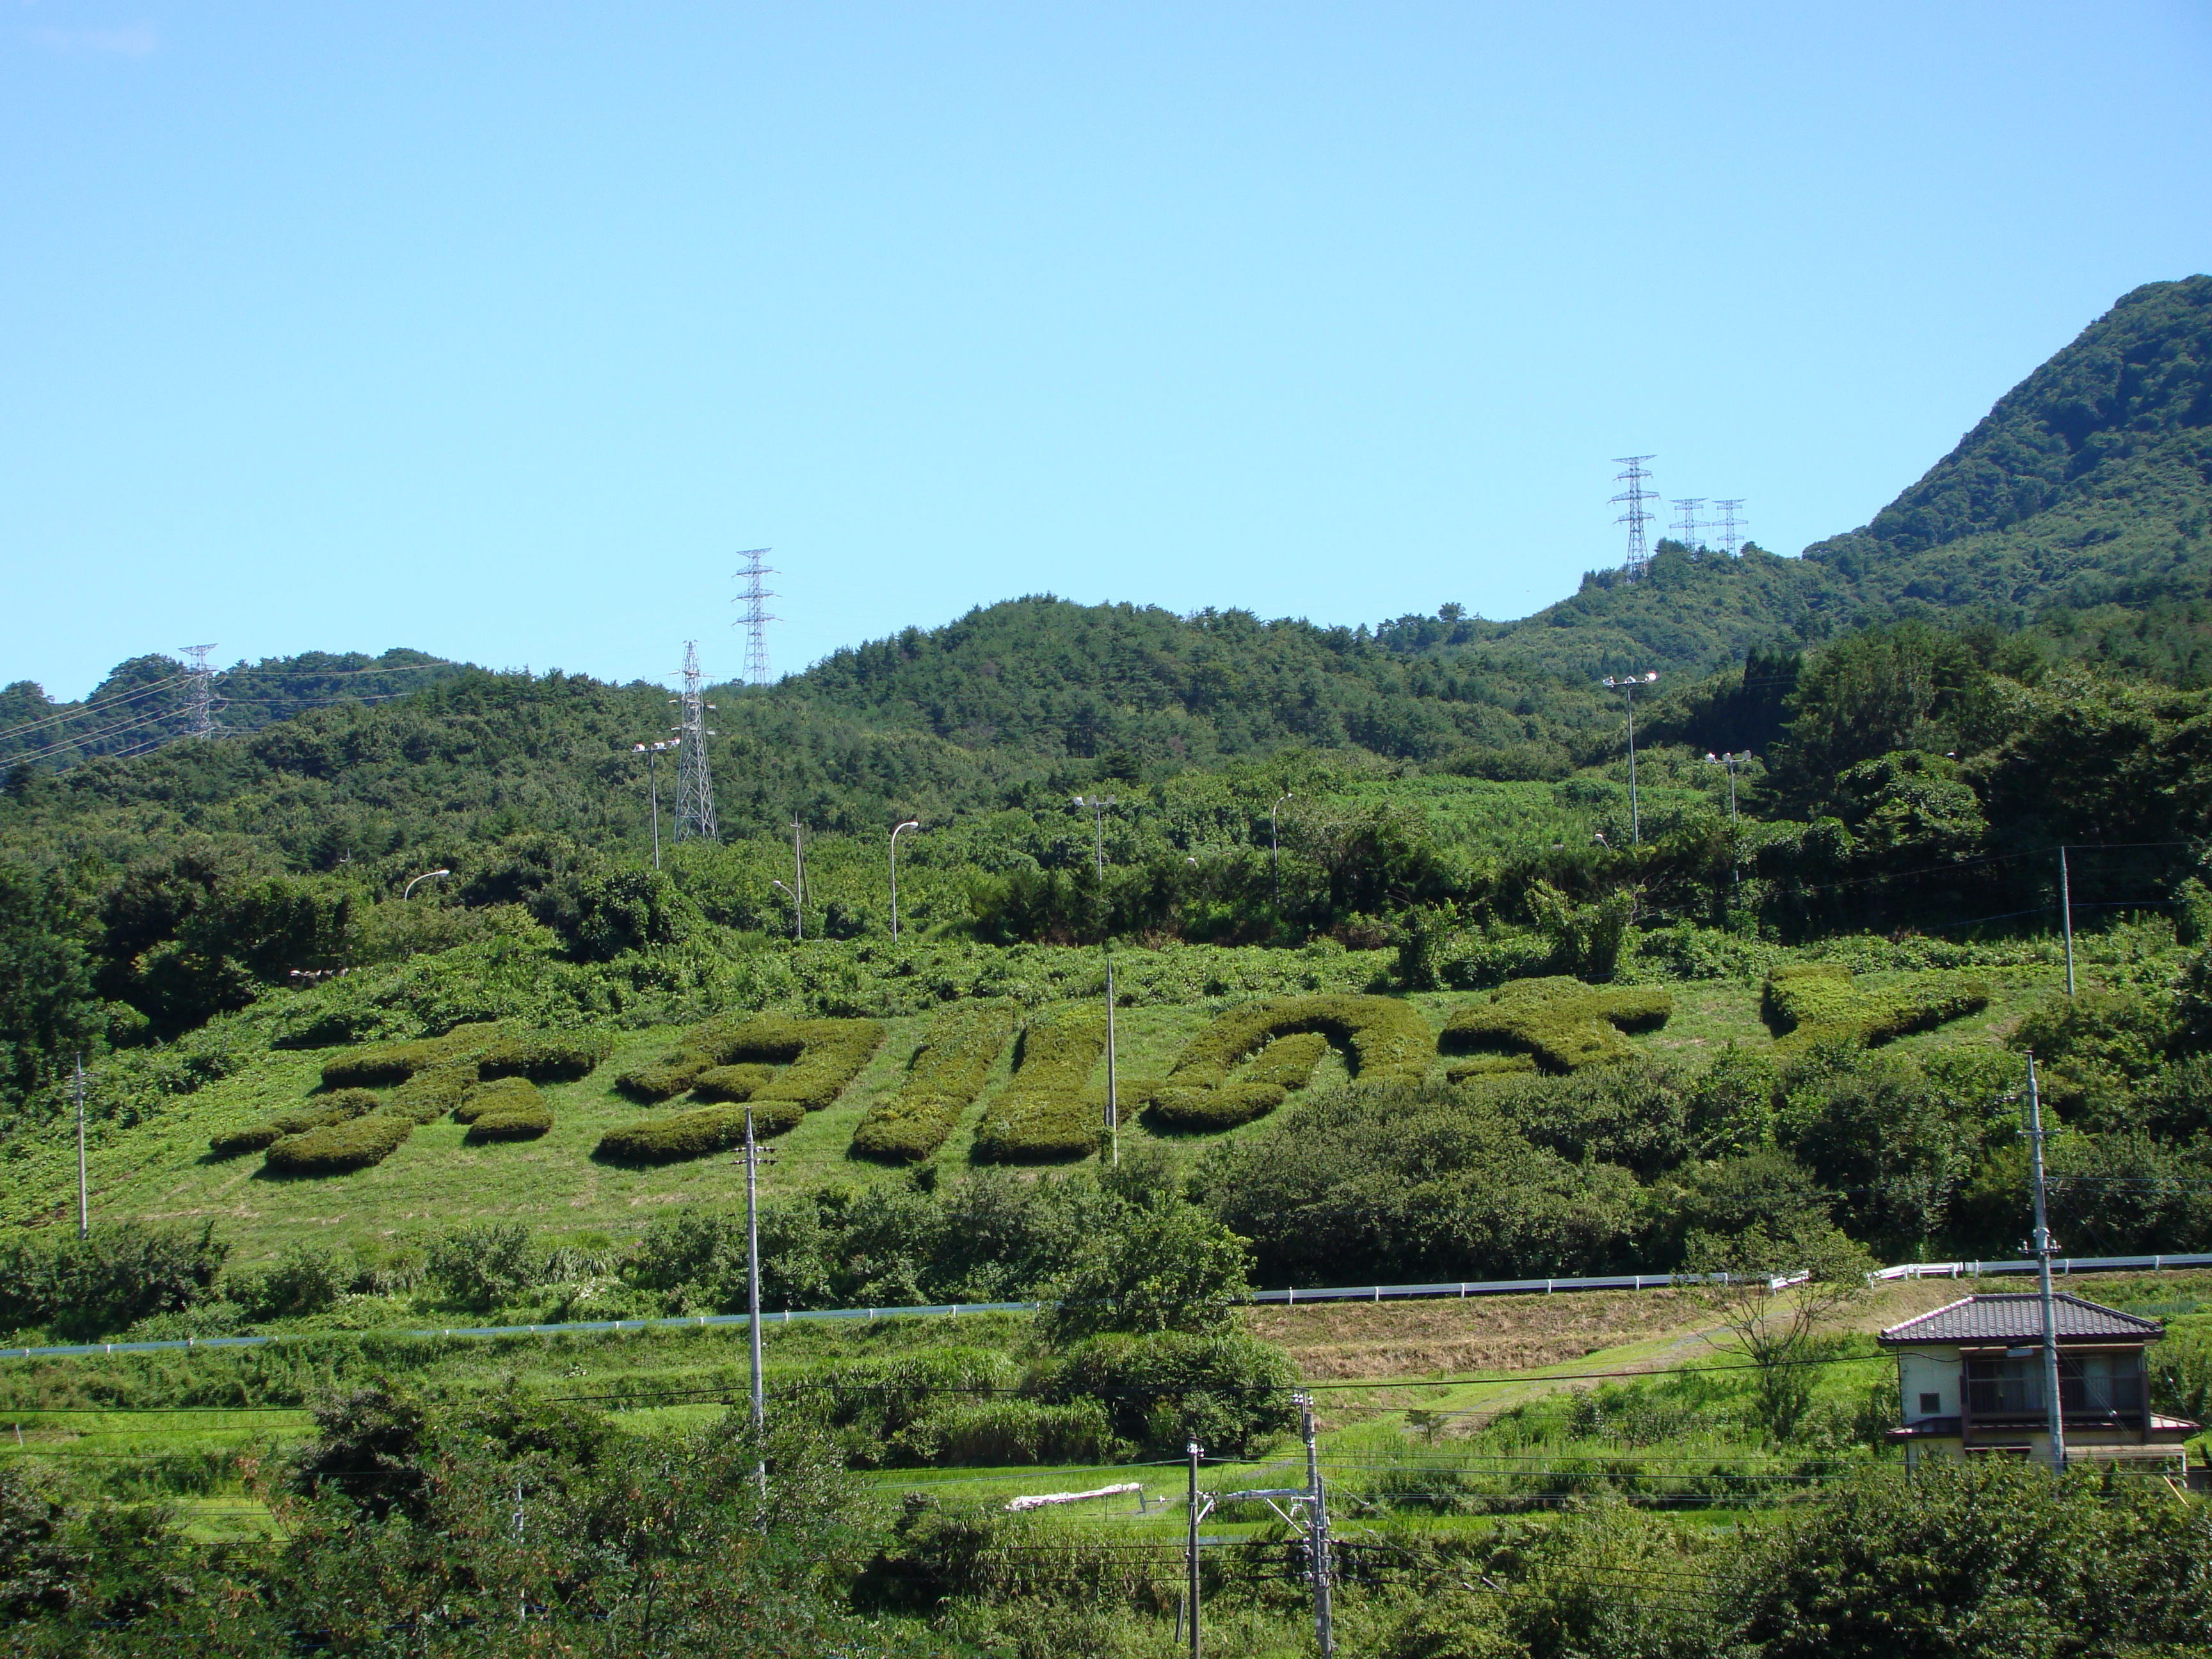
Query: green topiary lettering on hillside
<point x="1817" y="1002"/>
<point x="948" y="1071"/>
<point x="1386" y="1038"/>
<point x="1554" y="1024"/>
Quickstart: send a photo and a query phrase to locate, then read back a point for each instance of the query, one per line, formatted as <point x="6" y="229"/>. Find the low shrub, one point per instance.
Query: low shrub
<point x="947" y="1073"/>
<point x="699" y="1133"/>
<point x="123" y="1271"/>
<point x="733" y="1083"/>
<point x="523" y="1120"/>
<point x="335" y="1107"/>
<point x="1462" y="1071"/>
<point x="545" y="1056"/>
<point x="1560" y="1023"/>
<point x="395" y="1062"/>
<point x="1387" y="1040"/>
<point x="484" y="1266"/>
<point x="996" y="1433"/>
<point x="1811" y="1003"/>
<point x="359" y="1143"/>
<point x="1044" y="1113"/>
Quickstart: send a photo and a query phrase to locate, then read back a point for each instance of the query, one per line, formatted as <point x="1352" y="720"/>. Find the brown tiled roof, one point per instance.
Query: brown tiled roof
<point x="2018" y="1317"/>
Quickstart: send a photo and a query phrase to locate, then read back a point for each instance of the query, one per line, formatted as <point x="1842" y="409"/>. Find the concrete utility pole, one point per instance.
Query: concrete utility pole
<point x="1317" y="1539"/>
<point x="83" y="1192"/>
<point x="1275" y="851"/>
<point x="1190" y="1555"/>
<point x="1097" y="805"/>
<point x="2066" y="915"/>
<point x="2043" y="1250"/>
<point x="753" y="1300"/>
<point x="1731" y="761"/>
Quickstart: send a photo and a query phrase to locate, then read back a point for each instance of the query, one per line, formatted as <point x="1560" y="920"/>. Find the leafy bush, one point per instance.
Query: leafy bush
<point x="123" y="1271"/>
<point x="359" y="1143"/>
<point x="1388" y="1040"/>
<point x="1167" y="1267"/>
<point x="306" y="1281"/>
<point x="545" y="1056"/>
<point x="995" y="1433"/>
<point x="334" y="1108"/>
<point x="1562" y="1024"/>
<point x="1815" y="1002"/>
<point x="486" y="1266"/>
<point x="699" y="1133"/>
<point x="1044" y="1112"/>
<point x="1395" y="1185"/>
<point x="1230" y="1390"/>
<point x="948" y="1071"/>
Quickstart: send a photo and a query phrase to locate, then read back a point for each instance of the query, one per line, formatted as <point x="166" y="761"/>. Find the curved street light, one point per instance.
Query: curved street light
<point x="1274" y="852"/>
<point x="1626" y="685"/>
<point x="1731" y="761"/>
<point x="911" y="823"/>
<point x="652" y="752"/>
<point x="425" y="876"/>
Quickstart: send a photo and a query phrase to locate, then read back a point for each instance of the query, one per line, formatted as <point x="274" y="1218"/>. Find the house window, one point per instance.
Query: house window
<point x="1931" y="1405"/>
<point x="2097" y="1384"/>
<point x="2004" y="1387"/>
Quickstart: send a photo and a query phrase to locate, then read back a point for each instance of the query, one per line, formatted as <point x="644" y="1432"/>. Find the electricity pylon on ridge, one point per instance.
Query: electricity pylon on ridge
<point x="1637" y="514"/>
<point x="200" y="701"/>
<point x="1687" y="528"/>
<point x="695" y="785"/>
<point x="1732" y="527"/>
<point x="754" y="622"/>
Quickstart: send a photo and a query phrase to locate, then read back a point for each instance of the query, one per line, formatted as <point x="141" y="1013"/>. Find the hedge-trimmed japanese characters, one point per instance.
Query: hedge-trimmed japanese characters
<point x="334" y="1108"/>
<point x="946" y="1074"/>
<point x="821" y="1056"/>
<point x="1387" y="1040"/>
<point x="544" y="1056"/>
<point x="672" y="1137"/>
<point x="1044" y="1113"/>
<point x="1559" y="1023"/>
<point x="341" y="1148"/>
<point x="395" y="1062"/>
<point x="507" y="1109"/>
<point x="1816" y="1002"/>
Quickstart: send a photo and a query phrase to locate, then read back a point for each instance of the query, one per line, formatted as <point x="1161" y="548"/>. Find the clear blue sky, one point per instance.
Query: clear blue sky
<point x="497" y="330"/>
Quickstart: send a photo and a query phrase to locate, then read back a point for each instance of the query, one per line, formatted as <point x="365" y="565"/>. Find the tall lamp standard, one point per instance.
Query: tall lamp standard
<point x="1275" y="852"/>
<point x="1731" y="761"/>
<point x="1097" y="805"/>
<point x="911" y="823"/>
<point x="652" y="752"/>
<point x="1626" y="685"/>
<point x="425" y="876"/>
<point x="798" y="925"/>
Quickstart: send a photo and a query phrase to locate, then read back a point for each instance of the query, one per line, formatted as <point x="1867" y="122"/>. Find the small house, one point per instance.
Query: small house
<point x="1969" y="1377"/>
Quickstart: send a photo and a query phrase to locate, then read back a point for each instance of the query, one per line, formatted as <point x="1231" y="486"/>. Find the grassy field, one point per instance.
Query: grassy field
<point x="160" y="1170"/>
<point x="1418" y="1392"/>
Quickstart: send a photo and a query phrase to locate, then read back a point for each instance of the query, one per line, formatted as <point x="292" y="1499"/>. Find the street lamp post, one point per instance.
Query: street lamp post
<point x="798" y="925"/>
<point x="1627" y="686"/>
<point x="652" y="753"/>
<point x="1731" y="761"/>
<point x="425" y="876"/>
<point x="1097" y="805"/>
<point x="1275" y="852"/>
<point x="911" y="823"/>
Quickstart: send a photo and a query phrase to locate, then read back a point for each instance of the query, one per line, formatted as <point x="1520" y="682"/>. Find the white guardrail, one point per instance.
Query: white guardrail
<point x="1447" y="1288"/>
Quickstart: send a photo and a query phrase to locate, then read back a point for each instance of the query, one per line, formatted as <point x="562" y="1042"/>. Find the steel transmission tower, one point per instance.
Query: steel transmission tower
<point x="694" y="788"/>
<point x="1731" y="527"/>
<point x="755" y="600"/>
<point x="1638" y="515"/>
<point x="1687" y="526"/>
<point x="200" y="702"/>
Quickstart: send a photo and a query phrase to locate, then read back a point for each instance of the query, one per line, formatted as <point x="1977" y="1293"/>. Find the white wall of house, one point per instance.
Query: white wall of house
<point x="1926" y="1372"/>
